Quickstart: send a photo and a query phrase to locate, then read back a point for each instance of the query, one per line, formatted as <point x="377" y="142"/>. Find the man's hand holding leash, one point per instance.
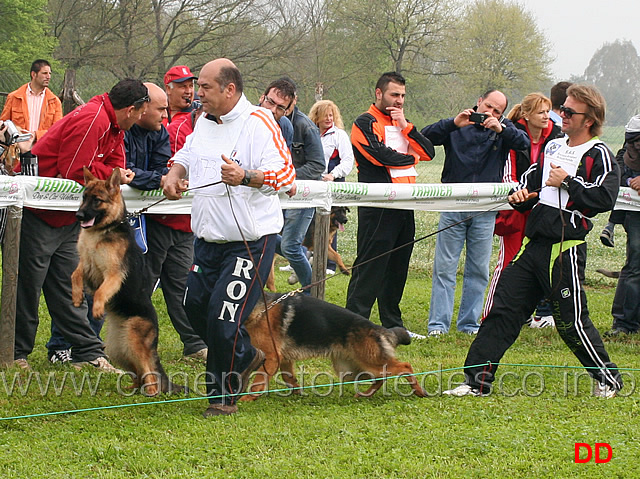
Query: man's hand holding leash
<point x="174" y="183"/>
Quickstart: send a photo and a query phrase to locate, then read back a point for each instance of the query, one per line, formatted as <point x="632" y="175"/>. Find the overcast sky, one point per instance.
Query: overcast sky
<point x="577" y="28"/>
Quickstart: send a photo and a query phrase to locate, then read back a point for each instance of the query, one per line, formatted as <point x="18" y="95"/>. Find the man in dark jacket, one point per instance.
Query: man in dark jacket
<point x="578" y="176"/>
<point x="169" y="237"/>
<point x="476" y="151"/>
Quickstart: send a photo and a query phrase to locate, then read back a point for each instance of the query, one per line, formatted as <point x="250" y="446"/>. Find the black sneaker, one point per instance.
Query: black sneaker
<point x="61" y="356"/>
<point x="617" y="332"/>
<point x="607" y="237"/>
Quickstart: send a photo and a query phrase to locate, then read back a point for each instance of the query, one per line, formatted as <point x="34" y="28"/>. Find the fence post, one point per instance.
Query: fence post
<point x="320" y="249"/>
<point x="10" y="257"/>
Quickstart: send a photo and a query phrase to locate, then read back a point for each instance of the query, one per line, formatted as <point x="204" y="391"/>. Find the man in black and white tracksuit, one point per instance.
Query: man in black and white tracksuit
<point x="578" y="174"/>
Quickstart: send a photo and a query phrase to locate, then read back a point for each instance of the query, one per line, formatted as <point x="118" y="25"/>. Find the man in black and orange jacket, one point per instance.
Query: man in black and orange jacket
<point x="386" y="147"/>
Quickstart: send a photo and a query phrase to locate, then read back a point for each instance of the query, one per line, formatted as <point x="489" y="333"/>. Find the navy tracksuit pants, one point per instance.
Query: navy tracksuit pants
<point x="222" y="289"/>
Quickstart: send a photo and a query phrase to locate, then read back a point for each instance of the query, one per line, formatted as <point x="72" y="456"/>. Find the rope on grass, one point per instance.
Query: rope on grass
<point x="315" y="386"/>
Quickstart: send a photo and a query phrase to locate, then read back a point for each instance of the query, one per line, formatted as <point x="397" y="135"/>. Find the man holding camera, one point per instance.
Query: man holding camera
<point x="476" y="144"/>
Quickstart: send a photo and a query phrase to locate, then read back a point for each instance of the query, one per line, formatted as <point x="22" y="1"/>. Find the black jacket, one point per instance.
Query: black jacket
<point x="590" y="193"/>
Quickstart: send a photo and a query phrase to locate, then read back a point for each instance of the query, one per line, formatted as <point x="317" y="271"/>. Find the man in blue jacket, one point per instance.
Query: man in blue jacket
<point x="475" y="152"/>
<point x="170" y="247"/>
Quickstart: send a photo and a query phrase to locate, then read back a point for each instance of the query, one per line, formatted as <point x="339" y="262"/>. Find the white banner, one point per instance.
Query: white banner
<point x="60" y="194"/>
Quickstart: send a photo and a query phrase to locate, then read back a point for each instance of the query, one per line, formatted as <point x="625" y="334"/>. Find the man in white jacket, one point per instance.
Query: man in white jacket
<point x="235" y="162"/>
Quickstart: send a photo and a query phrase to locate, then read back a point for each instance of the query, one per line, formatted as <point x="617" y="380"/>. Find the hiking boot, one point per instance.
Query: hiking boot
<point x="463" y="390"/>
<point x="604" y="391"/>
<point x="606" y="237"/>
<point x="413" y="335"/>
<point x="22" y="364"/>
<point x="201" y="354"/>
<point x="542" y="322"/>
<point x="218" y="409"/>
<point x="256" y="362"/>
<point x="101" y="364"/>
<point x="61" y="356"/>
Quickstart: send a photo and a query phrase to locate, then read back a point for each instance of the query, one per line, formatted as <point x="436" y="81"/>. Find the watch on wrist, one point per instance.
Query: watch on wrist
<point x="246" y="180"/>
<point x="565" y="182"/>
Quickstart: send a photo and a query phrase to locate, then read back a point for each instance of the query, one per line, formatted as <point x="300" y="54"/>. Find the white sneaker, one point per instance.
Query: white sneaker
<point x="286" y="268"/>
<point x="330" y="272"/>
<point x="542" y="322"/>
<point x="293" y="278"/>
<point x="22" y="364"/>
<point x="604" y="391"/>
<point x="413" y="335"/>
<point x="463" y="390"/>
<point x="436" y="333"/>
<point x="101" y="364"/>
<point x="201" y="354"/>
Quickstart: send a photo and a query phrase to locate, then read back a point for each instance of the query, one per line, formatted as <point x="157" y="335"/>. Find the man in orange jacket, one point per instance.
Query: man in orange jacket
<point x="34" y="106"/>
<point x="386" y="148"/>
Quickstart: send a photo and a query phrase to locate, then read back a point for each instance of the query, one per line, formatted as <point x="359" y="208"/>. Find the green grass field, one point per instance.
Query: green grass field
<point x="526" y="429"/>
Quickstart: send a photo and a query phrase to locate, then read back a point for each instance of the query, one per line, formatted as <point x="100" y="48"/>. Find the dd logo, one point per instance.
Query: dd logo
<point x="597" y="446"/>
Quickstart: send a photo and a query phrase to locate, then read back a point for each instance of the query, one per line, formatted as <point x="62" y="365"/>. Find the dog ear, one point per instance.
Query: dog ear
<point x="114" y="180"/>
<point x="87" y="175"/>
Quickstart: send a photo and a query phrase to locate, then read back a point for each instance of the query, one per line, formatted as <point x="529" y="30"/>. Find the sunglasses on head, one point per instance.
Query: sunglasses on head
<point x="142" y="100"/>
<point x="568" y="112"/>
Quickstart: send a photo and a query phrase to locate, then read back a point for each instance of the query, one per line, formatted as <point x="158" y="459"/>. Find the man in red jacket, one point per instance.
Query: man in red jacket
<point x="92" y="136"/>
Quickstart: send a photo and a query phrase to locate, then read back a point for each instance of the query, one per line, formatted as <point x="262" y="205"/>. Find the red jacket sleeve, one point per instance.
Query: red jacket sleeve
<point x="90" y="142"/>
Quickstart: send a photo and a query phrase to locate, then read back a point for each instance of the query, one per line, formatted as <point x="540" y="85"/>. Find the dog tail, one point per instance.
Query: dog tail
<point x="401" y="335"/>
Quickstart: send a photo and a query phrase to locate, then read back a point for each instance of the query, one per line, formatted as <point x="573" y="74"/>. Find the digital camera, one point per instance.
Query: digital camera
<point x="13" y="135"/>
<point x="476" y="117"/>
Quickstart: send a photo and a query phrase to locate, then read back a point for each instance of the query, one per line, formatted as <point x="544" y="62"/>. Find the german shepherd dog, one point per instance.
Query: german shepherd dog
<point x="111" y="266"/>
<point x="302" y="327"/>
<point x="337" y="220"/>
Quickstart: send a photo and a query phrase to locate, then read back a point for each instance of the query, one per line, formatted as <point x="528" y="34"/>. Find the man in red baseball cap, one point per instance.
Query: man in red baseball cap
<point x="178" y="83"/>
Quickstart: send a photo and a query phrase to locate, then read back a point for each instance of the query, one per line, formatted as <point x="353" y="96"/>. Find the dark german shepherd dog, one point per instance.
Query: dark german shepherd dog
<point x="337" y="220"/>
<point x="301" y="327"/>
<point x="111" y="266"/>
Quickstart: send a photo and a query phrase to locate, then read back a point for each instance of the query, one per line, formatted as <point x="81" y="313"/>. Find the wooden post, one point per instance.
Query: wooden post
<point x="10" y="256"/>
<point x="321" y="244"/>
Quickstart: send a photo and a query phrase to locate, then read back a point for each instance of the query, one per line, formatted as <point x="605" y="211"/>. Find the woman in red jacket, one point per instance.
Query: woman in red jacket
<point x="532" y="116"/>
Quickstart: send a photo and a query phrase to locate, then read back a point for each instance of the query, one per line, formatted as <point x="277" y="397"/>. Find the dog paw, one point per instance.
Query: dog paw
<point x="98" y="310"/>
<point x="346" y="271"/>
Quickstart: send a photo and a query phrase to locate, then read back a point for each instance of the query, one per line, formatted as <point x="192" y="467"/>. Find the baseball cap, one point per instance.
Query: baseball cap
<point x="632" y="129"/>
<point x="178" y="74"/>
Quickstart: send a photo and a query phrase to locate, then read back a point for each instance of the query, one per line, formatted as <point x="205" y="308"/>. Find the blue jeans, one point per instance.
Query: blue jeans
<point x="477" y="233"/>
<point x="296" y="224"/>
<point x="626" y="302"/>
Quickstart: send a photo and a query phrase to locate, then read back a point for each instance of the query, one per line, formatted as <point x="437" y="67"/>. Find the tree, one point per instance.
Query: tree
<point x="498" y="45"/>
<point x="23" y="35"/>
<point x="143" y="38"/>
<point x="405" y="31"/>
<point x="615" y="70"/>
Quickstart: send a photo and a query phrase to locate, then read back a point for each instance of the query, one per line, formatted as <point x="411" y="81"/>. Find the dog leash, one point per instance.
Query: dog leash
<point x="299" y="290"/>
<point x="144" y="210"/>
